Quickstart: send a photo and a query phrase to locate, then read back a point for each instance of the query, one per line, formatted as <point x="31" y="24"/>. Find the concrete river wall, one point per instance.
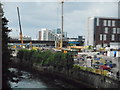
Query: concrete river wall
<point x="75" y="76"/>
<point x="86" y="78"/>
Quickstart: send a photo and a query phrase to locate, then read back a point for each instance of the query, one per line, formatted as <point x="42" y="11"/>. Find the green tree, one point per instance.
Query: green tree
<point x="27" y="57"/>
<point x="58" y="60"/>
<point x="37" y="57"/>
<point x="20" y="55"/>
<point x="69" y="62"/>
<point x="45" y="56"/>
<point x="5" y="52"/>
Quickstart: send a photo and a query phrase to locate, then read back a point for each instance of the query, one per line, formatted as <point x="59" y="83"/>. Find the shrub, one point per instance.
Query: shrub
<point x="46" y="58"/>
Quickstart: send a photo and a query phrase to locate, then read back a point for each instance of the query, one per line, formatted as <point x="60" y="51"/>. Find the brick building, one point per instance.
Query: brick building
<point x="103" y="32"/>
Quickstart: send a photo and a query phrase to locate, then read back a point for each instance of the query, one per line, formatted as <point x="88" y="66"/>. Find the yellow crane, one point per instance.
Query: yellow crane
<point x="21" y="37"/>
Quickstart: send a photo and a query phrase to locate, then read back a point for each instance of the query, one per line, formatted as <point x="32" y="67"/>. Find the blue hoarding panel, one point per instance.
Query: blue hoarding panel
<point x="73" y="42"/>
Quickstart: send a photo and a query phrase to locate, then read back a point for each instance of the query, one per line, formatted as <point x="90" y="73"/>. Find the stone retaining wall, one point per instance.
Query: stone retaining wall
<point x="85" y="77"/>
<point x="92" y="79"/>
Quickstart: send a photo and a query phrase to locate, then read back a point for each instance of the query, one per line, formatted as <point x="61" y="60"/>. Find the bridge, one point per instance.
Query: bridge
<point x="47" y="43"/>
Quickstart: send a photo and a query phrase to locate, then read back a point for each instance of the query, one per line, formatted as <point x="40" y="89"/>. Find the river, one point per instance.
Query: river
<point x="22" y="79"/>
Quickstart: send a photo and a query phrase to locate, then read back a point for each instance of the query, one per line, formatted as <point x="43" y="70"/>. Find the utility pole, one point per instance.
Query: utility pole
<point x="20" y="25"/>
<point x="61" y="44"/>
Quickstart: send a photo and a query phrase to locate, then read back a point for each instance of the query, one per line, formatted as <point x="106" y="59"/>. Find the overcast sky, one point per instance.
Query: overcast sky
<point x="37" y="15"/>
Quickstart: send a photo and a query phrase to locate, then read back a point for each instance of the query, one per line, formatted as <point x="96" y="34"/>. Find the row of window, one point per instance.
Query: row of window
<point x="108" y="22"/>
<point x="114" y="30"/>
<point x="49" y="36"/>
<point x="104" y="37"/>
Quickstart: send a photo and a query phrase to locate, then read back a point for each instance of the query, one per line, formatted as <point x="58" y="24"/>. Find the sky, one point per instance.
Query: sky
<point x="37" y="15"/>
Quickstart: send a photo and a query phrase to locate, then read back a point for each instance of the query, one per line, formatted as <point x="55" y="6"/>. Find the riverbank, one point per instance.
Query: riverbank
<point x="77" y="78"/>
<point x="23" y="79"/>
<point x="44" y="74"/>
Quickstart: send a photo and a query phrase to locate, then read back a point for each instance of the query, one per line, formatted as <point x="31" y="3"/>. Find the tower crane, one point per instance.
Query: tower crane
<point x="60" y="42"/>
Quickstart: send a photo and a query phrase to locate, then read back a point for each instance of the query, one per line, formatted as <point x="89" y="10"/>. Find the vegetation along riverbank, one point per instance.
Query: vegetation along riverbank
<point x="61" y="65"/>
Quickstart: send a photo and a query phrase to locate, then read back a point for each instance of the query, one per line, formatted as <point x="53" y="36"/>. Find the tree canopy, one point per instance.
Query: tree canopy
<point x="58" y="60"/>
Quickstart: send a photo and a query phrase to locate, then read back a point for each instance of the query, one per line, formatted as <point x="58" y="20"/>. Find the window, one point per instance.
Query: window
<point x="105" y="23"/>
<point x="109" y="22"/>
<point x="114" y="30"/>
<point x="106" y="29"/>
<point x="44" y="35"/>
<point x="119" y="37"/>
<point x="118" y="30"/>
<point x="104" y="37"/>
<point x="97" y="21"/>
<point x="118" y="23"/>
<point x="113" y="23"/>
<point x="113" y="37"/>
<point x="100" y="36"/>
<point x="105" y="45"/>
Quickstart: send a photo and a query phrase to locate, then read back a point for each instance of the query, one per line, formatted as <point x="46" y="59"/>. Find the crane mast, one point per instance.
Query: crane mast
<point x="20" y="25"/>
<point x="61" y="43"/>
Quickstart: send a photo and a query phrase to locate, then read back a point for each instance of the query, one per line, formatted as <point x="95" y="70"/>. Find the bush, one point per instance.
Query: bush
<point x="83" y="68"/>
<point x="46" y="58"/>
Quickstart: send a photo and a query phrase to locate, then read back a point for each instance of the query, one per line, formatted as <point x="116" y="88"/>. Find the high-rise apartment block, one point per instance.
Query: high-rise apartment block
<point x="58" y="32"/>
<point x="51" y="35"/>
<point x="103" y="32"/>
<point x="47" y="35"/>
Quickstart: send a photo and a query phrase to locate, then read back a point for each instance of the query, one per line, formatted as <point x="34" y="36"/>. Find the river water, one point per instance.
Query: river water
<point x="22" y="79"/>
